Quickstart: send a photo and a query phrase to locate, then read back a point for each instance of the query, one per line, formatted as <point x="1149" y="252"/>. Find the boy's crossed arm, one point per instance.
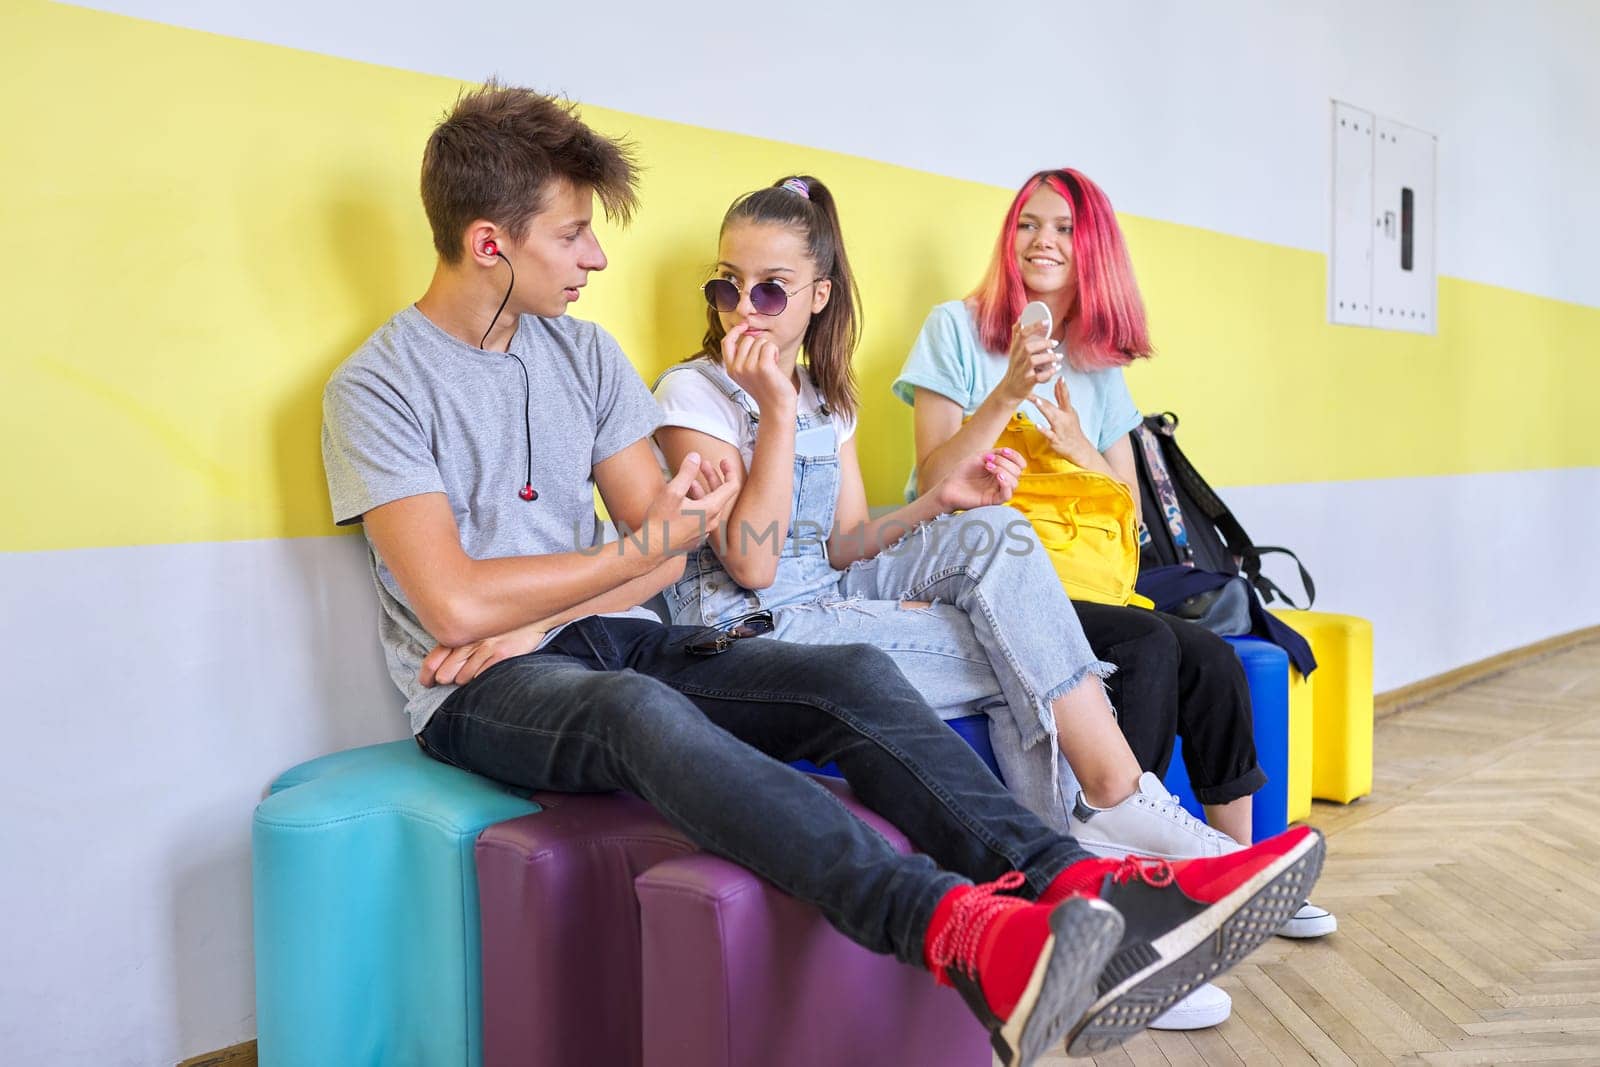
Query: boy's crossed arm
<point x="463" y="601"/>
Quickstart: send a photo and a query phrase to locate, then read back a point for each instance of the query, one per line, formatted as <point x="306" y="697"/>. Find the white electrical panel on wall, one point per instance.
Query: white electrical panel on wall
<point x="1381" y="263"/>
<point x="1350" y="260"/>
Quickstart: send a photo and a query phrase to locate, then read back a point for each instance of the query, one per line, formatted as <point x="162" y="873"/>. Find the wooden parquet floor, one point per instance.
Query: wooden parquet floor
<point x="1468" y="894"/>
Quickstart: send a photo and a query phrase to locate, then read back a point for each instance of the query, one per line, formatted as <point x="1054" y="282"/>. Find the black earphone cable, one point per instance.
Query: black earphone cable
<point x="503" y="300"/>
<point x="527" y="492"/>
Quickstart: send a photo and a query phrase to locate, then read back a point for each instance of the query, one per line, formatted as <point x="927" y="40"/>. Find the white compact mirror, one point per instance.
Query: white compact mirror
<point x="1036" y="311"/>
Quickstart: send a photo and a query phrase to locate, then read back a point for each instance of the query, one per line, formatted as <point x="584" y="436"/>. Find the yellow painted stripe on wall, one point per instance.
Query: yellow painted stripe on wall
<point x="200" y="228"/>
<point x="1270" y="393"/>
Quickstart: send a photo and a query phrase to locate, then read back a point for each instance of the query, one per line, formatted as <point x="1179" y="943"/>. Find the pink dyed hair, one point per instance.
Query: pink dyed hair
<point x="1110" y="314"/>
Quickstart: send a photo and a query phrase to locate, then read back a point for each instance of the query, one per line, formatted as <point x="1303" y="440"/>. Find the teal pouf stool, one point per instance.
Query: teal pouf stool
<point x="366" y="910"/>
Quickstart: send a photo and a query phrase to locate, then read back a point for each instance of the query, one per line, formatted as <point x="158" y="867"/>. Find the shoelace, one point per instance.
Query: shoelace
<point x="1170" y="806"/>
<point x="1158" y="873"/>
<point x="958" y="941"/>
<point x="1169" y="803"/>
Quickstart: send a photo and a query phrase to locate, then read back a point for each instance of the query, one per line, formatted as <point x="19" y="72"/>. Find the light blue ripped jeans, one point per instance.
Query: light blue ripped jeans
<point x="999" y="634"/>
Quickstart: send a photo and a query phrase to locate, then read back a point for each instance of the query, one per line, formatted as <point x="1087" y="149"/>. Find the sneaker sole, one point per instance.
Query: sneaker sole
<point x="1151" y="977"/>
<point x="1084" y="934"/>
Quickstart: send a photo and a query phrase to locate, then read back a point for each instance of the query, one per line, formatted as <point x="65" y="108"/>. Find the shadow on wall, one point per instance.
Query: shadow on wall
<point x="311" y="680"/>
<point x="678" y="320"/>
<point x="376" y="277"/>
<point x="210" y="918"/>
<point x="893" y="318"/>
<point x="346" y="671"/>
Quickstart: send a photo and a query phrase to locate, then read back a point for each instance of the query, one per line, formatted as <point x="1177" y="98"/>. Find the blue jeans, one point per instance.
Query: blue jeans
<point x="997" y="624"/>
<point x="617" y="704"/>
<point x="998" y="632"/>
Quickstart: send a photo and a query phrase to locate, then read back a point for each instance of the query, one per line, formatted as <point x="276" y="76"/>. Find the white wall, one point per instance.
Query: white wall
<point x="157" y="690"/>
<point x="1449" y="570"/>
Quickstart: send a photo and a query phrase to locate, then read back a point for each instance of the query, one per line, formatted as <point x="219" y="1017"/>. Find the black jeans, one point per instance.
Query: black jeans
<point x="1176" y="678"/>
<point x="617" y="704"/>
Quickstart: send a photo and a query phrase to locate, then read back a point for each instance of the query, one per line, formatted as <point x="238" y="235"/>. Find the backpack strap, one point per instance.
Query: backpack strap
<point x="1269" y="588"/>
<point x="1234" y="538"/>
<point x="1166" y="496"/>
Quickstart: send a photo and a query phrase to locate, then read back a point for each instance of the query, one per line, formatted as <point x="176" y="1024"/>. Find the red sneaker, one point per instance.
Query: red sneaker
<point x="1185" y="922"/>
<point x="1026" y="970"/>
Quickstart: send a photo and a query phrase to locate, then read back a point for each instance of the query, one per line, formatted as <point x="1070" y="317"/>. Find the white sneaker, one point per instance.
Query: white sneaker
<point x="1206" y="1006"/>
<point x="1309" y="921"/>
<point x="1151" y="822"/>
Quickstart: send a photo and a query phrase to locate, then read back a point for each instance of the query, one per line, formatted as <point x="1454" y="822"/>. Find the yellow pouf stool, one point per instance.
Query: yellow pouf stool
<point x="1341" y="704"/>
<point x="1300" y="743"/>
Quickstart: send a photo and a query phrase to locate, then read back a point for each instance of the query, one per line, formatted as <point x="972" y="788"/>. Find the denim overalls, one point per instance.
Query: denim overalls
<point x="997" y="633"/>
<point x="707" y="594"/>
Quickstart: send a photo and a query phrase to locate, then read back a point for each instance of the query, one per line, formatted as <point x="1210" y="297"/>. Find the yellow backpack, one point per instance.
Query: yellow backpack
<point x="1085" y="520"/>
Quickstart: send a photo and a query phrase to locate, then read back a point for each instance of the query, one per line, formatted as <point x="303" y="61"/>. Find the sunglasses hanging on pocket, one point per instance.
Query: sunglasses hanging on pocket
<point x="714" y="639"/>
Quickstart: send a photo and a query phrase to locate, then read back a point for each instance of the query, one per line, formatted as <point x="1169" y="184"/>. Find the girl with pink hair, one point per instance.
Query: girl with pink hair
<point x="973" y="367"/>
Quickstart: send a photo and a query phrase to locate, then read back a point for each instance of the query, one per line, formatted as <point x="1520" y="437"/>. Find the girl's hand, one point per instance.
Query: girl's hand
<point x="981" y="480"/>
<point x="458" y="666"/>
<point x="752" y="362"/>
<point x="1065" y="433"/>
<point x="1033" y="359"/>
<point x="713" y="477"/>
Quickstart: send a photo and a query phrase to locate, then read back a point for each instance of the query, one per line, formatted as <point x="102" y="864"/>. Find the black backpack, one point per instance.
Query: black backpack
<point x="1192" y="527"/>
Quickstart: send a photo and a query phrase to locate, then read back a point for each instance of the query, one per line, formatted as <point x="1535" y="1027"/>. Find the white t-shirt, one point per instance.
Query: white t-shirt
<point x="688" y="399"/>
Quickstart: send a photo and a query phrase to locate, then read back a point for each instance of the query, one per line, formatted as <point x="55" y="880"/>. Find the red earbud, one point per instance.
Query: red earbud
<point x="527" y="492"/>
<point x="490" y="248"/>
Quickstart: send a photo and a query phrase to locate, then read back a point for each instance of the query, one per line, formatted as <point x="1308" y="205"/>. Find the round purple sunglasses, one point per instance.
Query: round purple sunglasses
<point x="767" y="298"/>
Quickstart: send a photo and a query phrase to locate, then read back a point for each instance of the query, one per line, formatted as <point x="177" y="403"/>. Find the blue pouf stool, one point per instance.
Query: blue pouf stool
<point x="366" y="910"/>
<point x="973" y="729"/>
<point x="1266" y="666"/>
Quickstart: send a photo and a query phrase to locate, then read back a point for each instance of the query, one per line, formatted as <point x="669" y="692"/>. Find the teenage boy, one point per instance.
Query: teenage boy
<point x="468" y="434"/>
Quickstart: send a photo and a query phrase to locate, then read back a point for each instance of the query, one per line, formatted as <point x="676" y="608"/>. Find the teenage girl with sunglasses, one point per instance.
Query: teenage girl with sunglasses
<point x="968" y="605"/>
<point x="972" y="368"/>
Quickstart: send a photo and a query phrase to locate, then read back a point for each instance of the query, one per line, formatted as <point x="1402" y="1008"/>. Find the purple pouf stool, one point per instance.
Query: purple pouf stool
<point x="736" y="972"/>
<point x="561" y="929"/>
<point x="732" y="971"/>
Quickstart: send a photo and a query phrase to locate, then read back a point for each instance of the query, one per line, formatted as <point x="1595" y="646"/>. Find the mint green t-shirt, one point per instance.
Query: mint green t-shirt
<point x="948" y="359"/>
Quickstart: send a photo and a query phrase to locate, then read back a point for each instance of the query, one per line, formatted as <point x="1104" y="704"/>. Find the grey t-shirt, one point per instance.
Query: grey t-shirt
<point x="415" y="410"/>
